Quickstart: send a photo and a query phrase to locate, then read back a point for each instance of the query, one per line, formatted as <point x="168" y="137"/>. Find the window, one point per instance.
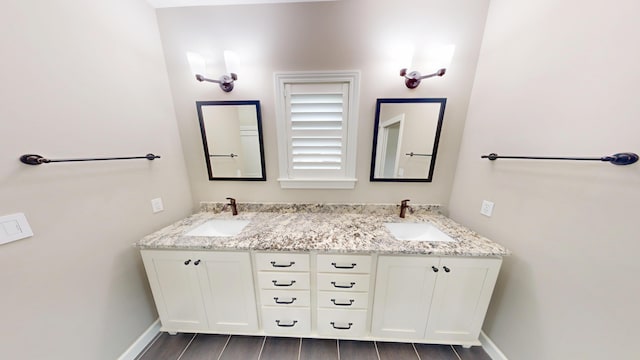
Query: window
<point x="317" y="127"/>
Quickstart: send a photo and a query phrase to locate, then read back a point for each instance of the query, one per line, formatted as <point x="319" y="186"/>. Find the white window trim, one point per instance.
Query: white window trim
<point x="353" y="79"/>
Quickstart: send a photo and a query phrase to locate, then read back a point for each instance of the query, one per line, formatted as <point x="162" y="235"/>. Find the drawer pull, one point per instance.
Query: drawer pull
<point x="341" y="327"/>
<point x="274" y="264"/>
<point x="187" y="262"/>
<point x="341" y="303"/>
<point x="446" y="269"/>
<point x="343" y="266"/>
<point x="343" y="286"/>
<point x="276" y="283"/>
<point x="435" y="269"/>
<point x="197" y="262"/>
<point x="284" y="302"/>
<point x="287" y="325"/>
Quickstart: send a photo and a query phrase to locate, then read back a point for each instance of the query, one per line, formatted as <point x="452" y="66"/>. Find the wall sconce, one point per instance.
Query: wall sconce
<point x="198" y="66"/>
<point x="225" y="81"/>
<point x="412" y="79"/>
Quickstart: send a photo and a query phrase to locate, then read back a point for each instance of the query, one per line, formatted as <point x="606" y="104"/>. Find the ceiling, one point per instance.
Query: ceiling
<point x="181" y="3"/>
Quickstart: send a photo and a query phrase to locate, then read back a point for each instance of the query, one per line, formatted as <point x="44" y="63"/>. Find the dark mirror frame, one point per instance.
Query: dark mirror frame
<point x="256" y="103"/>
<point x="432" y="163"/>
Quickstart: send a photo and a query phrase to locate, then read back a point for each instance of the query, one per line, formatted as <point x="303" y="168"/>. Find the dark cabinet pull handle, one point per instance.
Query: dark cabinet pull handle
<point x="344" y="266"/>
<point x="273" y="263"/>
<point x="343" y="286"/>
<point x="342" y="304"/>
<point x="287" y="325"/>
<point x="276" y="283"/>
<point x="435" y="269"/>
<point x="187" y="262"/>
<point x="341" y="327"/>
<point x="197" y="262"/>
<point x="446" y="269"/>
<point x="284" y="302"/>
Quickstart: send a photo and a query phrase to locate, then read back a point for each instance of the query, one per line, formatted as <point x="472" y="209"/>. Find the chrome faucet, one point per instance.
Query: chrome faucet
<point x="234" y="207"/>
<point x="404" y="207"/>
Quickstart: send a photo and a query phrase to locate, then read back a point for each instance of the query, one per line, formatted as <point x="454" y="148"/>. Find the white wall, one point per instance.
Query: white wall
<point x="557" y="78"/>
<point x="82" y="79"/>
<point x="343" y="35"/>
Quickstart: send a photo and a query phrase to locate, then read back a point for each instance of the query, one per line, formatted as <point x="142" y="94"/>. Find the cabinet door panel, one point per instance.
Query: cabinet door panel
<point x="461" y="297"/>
<point x="343" y="282"/>
<point x="283" y="281"/>
<point x="292" y="321"/>
<point x="176" y="290"/>
<point x="230" y="296"/>
<point x="404" y="286"/>
<point x="342" y="323"/>
<point x="285" y="298"/>
<point x="282" y="261"/>
<point x="345" y="264"/>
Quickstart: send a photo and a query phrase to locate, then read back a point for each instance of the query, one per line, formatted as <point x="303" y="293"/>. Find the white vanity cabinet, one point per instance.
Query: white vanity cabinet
<point x="202" y="290"/>
<point x="432" y="299"/>
<point x="425" y="299"/>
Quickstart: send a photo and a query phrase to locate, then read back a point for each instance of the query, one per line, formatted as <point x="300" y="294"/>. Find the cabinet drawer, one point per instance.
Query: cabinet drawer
<point x="285" y="298"/>
<point x="282" y="262"/>
<point x="342" y="300"/>
<point x="344" y="263"/>
<point x="342" y="323"/>
<point x="293" y="321"/>
<point x="283" y="281"/>
<point x="343" y="282"/>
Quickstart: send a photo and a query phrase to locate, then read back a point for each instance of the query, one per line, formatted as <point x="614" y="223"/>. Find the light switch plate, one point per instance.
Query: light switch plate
<point x="156" y="205"/>
<point x="14" y="227"/>
<point x="486" y="208"/>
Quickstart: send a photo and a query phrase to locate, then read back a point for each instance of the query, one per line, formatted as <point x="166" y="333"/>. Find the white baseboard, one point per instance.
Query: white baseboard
<point x="490" y="348"/>
<point x="141" y="342"/>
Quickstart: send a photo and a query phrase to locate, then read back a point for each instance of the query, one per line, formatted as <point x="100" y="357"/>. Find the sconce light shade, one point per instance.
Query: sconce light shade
<point x="225" y="81"/>
<point x="412" y="79"/>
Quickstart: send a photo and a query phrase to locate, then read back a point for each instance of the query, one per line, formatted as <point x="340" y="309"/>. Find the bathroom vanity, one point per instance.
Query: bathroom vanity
<point x="326" y="271"/>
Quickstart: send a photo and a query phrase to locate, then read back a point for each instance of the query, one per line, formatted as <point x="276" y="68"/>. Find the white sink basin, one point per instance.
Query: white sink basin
<point x="417" y="232"/>
<point x="219" y="228"/>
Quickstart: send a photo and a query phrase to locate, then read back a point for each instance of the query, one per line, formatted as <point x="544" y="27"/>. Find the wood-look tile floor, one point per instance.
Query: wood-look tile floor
<point x="226" y="347"/>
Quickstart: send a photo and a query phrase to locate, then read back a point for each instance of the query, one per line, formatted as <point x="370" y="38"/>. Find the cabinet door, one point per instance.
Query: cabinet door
<point x="176" y="289"/>
<point x="461" y="297"/>
<point x="229" y="295"/>
<point x="404" y="286"/>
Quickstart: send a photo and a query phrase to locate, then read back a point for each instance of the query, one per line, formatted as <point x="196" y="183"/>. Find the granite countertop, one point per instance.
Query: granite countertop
<point x="322" y="228"/>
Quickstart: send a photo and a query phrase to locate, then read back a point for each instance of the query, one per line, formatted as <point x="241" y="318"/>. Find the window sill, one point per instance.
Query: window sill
<point x="317" y="183"/>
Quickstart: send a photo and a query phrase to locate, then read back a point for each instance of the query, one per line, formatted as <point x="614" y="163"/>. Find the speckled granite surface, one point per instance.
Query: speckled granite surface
<point x="323" y="228"/>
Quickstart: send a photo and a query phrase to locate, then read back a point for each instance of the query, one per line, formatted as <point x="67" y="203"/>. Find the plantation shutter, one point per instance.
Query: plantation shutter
<point x="317" y="130"/>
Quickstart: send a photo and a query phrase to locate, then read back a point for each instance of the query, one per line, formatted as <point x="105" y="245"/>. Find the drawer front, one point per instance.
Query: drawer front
<point x="282" y="262"/>
<point x="292" y="321"/>
<point x="283" y="281"/>
<point x="342" y="323"/>
<point x="343" y="300"/>
<point x="285" y="298"/>
<point x="346" y="264"/>
<point x="343" y="282"/>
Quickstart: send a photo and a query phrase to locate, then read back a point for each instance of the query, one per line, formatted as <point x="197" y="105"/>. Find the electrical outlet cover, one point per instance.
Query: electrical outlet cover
<point x="486" y="208"/>
<point x="156" y="205"/>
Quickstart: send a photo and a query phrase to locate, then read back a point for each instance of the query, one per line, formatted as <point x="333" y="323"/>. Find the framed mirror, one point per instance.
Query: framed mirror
<point x="232" y="139"/>
<point x="405" y="139"/>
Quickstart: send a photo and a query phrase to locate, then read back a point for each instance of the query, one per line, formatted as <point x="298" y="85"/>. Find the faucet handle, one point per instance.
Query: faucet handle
<point x="231" y="200"/>
<point x="405" y="201"/>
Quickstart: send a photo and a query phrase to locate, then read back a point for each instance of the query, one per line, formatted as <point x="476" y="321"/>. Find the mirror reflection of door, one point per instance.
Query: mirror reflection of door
<point x="231" y="135"/>
<point x="405" y="139"/>
<point x="389" y="141"/>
